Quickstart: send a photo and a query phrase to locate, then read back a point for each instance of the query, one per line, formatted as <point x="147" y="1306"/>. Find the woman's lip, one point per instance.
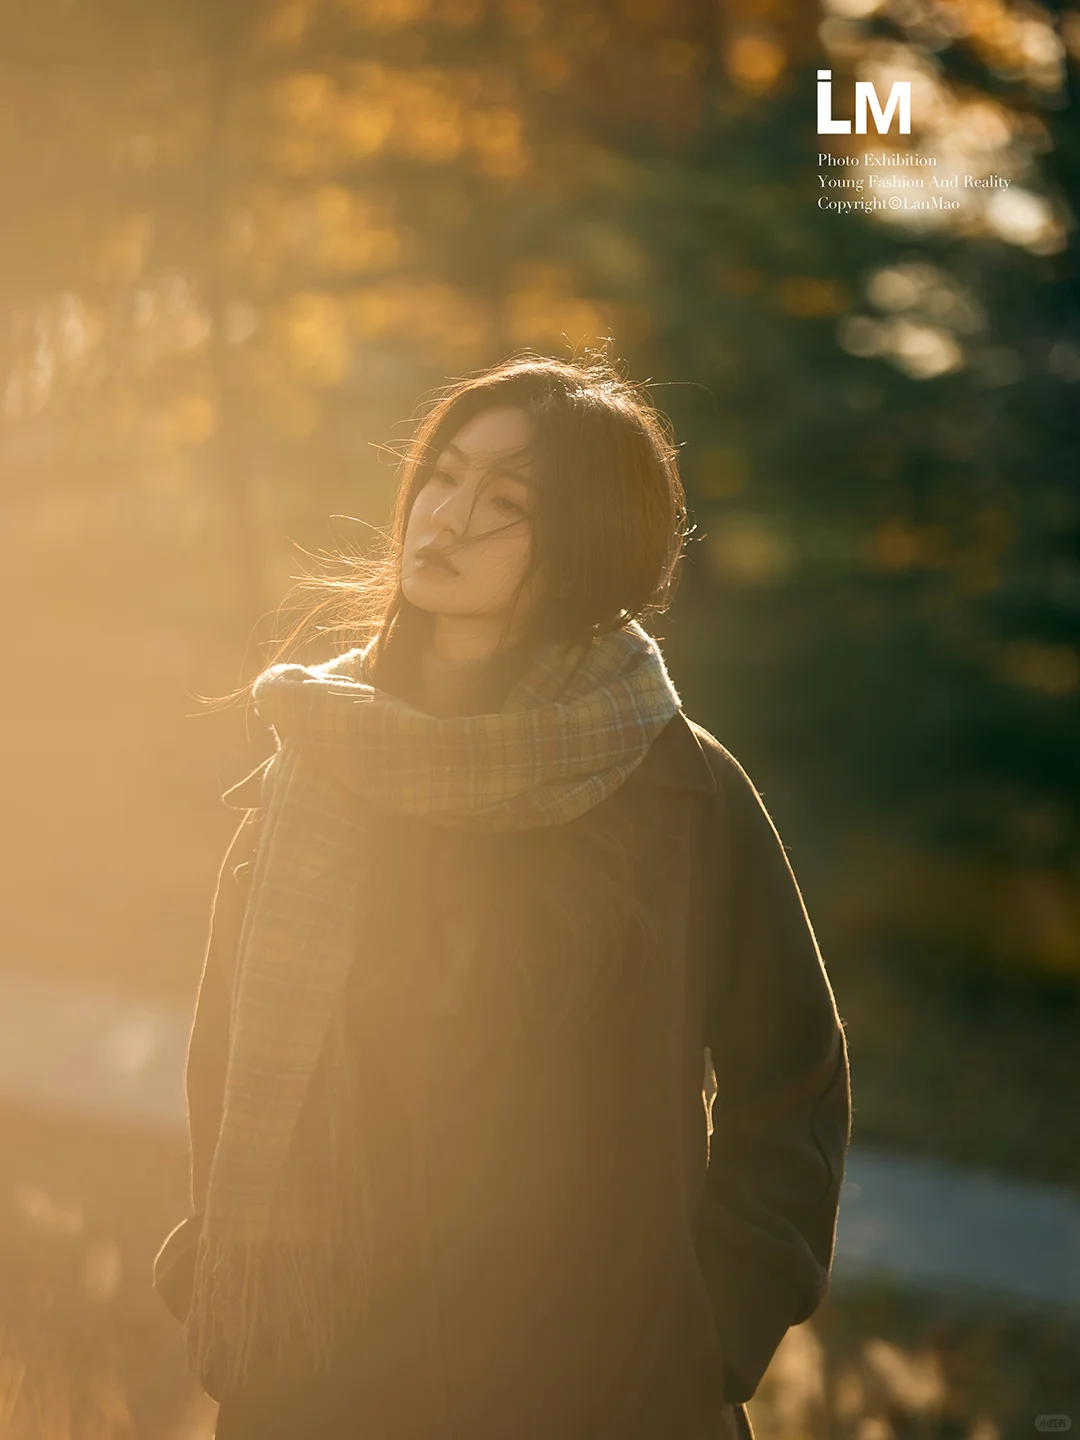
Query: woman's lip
<point x="432" y="563"/>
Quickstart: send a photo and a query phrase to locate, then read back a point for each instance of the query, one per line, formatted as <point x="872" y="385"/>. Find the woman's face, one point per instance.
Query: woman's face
<point x="475" y="510"/>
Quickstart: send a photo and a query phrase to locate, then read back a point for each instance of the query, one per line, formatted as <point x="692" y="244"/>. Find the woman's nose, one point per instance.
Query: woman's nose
<point x="455" y="509"/>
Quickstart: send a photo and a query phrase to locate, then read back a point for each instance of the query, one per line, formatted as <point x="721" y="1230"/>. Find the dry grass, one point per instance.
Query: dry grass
<point x="87" y="1352"/>
<point x="882" y="1364"/>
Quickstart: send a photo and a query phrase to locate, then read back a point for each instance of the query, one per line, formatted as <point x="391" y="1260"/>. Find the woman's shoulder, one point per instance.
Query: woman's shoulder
<point x="717" y="754"/>
<point x="738" y="809"/>
<point x="726" y="769"/>
<point x="687" y="755"/>
<point x="735" y="798"/>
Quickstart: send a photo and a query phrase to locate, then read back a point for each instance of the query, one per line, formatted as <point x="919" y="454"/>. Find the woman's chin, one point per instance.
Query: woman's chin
<point x="424" y="595"/>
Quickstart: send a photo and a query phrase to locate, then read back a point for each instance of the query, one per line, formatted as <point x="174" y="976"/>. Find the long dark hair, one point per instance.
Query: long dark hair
<point x="609" y="523"/>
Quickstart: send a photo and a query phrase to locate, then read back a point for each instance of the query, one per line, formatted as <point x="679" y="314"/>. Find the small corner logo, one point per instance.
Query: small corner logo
<point x="866" y="98"/>
<point x="1053" y="1424"/>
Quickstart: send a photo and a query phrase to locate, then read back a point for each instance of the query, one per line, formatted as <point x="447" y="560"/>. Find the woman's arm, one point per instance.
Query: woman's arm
<point x="208" y="1048"/>
<point x="765" y="1229"/>
<point x="208" y="1052"/>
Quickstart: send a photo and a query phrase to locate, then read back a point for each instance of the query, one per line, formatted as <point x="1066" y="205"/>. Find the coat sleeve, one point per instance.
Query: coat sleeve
<point x="765" y="1227"/>
<point x="208" y="1047"/>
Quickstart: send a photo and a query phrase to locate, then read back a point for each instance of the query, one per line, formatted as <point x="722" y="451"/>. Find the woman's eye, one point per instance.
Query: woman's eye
<point x="443" y="477"/>
<point x="511" y="505"/>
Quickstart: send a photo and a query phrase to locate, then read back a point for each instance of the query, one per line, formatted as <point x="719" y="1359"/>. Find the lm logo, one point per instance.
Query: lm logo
<point x="865" y="98"/>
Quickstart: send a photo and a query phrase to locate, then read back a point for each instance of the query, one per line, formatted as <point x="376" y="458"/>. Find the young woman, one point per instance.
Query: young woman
<point x="494" y="906"/>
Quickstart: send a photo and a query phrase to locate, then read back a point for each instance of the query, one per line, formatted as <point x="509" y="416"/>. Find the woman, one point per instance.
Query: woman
<point x="493" y="905"/>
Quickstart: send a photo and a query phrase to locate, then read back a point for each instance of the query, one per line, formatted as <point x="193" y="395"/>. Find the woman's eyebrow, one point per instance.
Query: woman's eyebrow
<point x="504" y="471"/>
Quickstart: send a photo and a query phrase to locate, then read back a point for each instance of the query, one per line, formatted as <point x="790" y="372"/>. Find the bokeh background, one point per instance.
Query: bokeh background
<point x="241" y="241"/>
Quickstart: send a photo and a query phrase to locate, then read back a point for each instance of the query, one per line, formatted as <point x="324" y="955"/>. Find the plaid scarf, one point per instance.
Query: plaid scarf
<point x="285" y="1246"/>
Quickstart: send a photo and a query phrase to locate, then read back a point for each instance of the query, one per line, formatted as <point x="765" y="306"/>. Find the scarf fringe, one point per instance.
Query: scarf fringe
<point x="252" y="1301"/>
<point x="253" y="1298"/>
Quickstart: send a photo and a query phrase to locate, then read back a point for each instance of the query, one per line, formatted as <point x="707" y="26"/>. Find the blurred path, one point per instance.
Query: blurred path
<point x="93" y="1053"/>
<point x="926" y="1222"/>
<point x="104" y="1057"/>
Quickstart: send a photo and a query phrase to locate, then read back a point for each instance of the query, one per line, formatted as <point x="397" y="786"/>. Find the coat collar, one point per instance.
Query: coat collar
<point x="674" y="761"/>
<point x="246" y="794"/>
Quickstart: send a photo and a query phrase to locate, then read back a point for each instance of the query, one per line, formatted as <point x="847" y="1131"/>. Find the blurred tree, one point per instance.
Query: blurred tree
<point x="245" y="237"/>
